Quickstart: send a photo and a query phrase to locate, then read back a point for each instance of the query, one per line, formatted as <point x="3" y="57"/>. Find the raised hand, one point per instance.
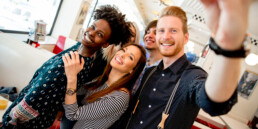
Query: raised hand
<point x="228" y="20"/>
<point x="72" y="65"/>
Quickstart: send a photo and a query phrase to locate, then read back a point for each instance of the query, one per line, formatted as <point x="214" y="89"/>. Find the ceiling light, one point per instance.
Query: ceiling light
<point x="251" y="59"/>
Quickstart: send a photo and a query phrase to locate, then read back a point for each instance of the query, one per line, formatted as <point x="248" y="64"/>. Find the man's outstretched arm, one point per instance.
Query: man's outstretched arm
<point x="228" y="20"/>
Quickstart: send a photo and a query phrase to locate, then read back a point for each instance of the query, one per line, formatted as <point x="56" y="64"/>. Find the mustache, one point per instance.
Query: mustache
<point x="167" y="41"/>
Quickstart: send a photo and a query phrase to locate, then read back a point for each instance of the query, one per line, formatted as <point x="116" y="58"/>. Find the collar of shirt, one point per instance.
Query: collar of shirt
<point x="155" y="64"/>
<point x="176" y="67"/>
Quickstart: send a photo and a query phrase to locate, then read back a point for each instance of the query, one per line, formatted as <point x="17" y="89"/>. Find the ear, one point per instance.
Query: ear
<point x="131" y="72"/>
<point x="105" y="45"/>
<point x="186" y="38"/>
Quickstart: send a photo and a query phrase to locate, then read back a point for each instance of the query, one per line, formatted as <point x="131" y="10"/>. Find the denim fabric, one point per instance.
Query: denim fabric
<point x="66" y="124"/>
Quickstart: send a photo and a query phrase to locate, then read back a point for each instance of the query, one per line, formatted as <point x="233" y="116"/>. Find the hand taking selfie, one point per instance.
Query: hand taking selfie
<point x="228" y="20"/>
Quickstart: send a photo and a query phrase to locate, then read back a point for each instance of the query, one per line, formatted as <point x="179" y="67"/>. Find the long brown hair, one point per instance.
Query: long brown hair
<point x="126" y="81"/>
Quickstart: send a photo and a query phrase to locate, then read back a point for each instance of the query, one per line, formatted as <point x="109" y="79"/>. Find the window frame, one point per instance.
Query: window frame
<point x="27" y="32"/>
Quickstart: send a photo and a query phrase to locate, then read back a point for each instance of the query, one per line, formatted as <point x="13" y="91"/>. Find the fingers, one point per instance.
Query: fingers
<point x="213" y="14"/>
<point x="72" y="56"/>
<point x="64" y="60"/>
<point x="233" y="5"/>
<point x="82" y="63"/>
<point x="77" y="57"/>
<point x="67" y="59"/>
<point x="207" y="3"/>
<point x="73" y="59"/>
<point x="246" y="7"/>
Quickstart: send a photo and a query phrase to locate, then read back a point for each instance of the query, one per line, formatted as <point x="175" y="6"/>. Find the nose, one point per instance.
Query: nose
<point x="124" y="55"/>
<point x="166" y="35"/>
<point x="92" y="33"/>
<point x="152" y="34"/>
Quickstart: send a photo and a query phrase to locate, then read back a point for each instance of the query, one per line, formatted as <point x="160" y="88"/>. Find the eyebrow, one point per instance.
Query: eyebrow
<point x="99" y="30"/>
<point x="131" y="53"/>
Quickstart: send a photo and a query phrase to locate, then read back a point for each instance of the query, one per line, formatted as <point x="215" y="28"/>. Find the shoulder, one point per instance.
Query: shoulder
<point x="119" y="97"/>
<point x="193" y="71"/>
<point x="54" y="64"/>
<point x="193" y="76"/>
<point x="121" y="94"/>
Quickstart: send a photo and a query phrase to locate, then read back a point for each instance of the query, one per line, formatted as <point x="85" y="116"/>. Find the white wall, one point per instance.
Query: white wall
<point x="245" y="109"/>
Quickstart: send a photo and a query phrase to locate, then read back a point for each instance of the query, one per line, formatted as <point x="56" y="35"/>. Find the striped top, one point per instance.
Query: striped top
<point x="100" y="114"/>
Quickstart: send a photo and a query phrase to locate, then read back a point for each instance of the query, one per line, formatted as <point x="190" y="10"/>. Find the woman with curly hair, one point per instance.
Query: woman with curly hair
<point x="38" y="103"/>
<point x="105" y="100"/>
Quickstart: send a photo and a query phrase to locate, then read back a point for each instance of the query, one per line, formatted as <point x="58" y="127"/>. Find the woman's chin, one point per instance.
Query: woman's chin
<point x="86" y="43"/>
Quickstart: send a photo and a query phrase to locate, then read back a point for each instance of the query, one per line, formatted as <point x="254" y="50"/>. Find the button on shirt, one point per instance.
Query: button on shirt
<point x="189" y="98"/>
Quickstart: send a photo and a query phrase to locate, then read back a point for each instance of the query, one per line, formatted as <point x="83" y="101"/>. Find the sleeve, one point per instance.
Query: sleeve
<point x="105" y="106"/>
<point x="81" y="91"/>
<point x="47" y="87"/>
<point x="202" y="100"/>
<point x="213" y="108"/>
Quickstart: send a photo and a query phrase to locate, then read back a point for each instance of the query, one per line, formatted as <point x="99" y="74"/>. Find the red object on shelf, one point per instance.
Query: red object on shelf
<point x="59" y="44"/>
<point x="35" y="44"/>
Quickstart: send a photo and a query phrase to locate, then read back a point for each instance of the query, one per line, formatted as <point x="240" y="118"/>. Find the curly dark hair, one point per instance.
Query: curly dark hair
<point x="120" y="31"/>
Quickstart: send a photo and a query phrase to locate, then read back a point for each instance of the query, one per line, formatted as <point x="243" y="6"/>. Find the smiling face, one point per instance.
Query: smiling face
<point x="97" y="35"/>
<point x="126" y="59"/>
<point x="170" y="37"/>
<point x="150" y="39"/>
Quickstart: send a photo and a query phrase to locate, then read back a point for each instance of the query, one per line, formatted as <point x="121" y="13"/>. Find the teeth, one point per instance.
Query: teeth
<point x="87" y="38"/>
<point x="118" y="60"/>
<point x="166" y="44"/>
<point x="149" y="41"/>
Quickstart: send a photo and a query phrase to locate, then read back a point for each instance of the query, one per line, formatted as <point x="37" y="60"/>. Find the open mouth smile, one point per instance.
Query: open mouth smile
<point x="118" y="60"/>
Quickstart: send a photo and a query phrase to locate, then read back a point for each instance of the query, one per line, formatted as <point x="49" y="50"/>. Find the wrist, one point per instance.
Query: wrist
<point x="70" y="91"/>
<point x="241" y="52"/>
<point x="72" y="80"/>
<point x="229" y="42"/>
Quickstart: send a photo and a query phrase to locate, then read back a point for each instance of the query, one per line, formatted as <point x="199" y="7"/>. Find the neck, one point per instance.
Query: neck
<point x="114" y="76"/>
<point x="167" y="61"/>
<point x="154" y="56"/>
<point x="87" y="52"/>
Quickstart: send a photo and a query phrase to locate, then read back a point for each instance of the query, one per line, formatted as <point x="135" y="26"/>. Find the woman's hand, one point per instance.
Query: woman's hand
<point x="72" y="65"/>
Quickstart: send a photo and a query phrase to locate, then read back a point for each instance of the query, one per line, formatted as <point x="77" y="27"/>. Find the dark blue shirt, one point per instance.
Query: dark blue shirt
<point x="189" y="98"/>
<point x="46" y="90"/>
